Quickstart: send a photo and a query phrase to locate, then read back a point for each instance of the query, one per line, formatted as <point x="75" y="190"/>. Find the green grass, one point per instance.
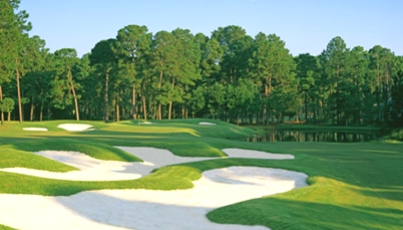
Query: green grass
<point x="167" y="178"/>
<point x="352" y="186"/>
<point x="2" y="227"/>
<point x="10" y="157"/>
<point x="96" y="150"/>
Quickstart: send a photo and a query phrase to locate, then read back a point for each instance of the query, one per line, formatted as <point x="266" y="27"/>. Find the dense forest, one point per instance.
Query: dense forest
<point x="228" y="75"/>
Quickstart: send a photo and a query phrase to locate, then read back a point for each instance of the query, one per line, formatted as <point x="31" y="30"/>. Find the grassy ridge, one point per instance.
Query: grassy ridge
<point x="2" y="227"/>
<point x="353" y="186"/>
<point x="10" y="157"/>
<point x="96" y="150"/>
<point x="168" y="178"/>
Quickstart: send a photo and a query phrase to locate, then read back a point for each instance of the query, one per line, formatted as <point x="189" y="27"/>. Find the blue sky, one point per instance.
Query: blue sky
<point x="305" y="25"/>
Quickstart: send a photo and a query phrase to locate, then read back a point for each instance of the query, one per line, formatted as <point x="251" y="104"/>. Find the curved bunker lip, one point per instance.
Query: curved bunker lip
<point x="35" y="129"/>
<point x="75" y="127"/>
<point x="207" y="123"/>
<point x="175" y="209"/>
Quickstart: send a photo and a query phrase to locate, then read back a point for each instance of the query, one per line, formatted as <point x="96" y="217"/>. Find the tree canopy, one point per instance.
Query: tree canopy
<point x="229" y="75"/>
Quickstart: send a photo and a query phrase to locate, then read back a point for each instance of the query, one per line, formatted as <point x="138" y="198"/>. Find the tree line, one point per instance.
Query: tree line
<point x="228" y="75"/>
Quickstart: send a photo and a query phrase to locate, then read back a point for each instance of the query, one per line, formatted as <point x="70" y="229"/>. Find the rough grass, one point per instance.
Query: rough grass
<point x="353" y="186"/>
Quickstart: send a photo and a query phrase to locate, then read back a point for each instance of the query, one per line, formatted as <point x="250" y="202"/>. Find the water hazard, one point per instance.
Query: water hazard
<point x="313" y="136"/>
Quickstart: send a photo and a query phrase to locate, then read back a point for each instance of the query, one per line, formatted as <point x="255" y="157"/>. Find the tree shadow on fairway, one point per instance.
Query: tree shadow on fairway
<point x="389" y="193"/>
<point x="299" y="215"/>
<point x="369" y="165"/>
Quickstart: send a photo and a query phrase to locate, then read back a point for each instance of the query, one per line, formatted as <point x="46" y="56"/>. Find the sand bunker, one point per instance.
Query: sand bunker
<point x="146" y="123"/>
<point x="147" y="209"/>
<point x="92" y="169"/>
<point x="35" y="129"/>
<point x="206" y="123"/>
<point x="75" y="127"/>
<point x="244" y="153"/>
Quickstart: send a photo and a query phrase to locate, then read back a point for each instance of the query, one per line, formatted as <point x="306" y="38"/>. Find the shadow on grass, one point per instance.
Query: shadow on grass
<point x="389" y="194"/>
<point x="290" y="214"/>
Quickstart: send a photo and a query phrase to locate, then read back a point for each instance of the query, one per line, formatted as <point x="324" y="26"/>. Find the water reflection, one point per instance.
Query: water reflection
<point x="310" y="136"/>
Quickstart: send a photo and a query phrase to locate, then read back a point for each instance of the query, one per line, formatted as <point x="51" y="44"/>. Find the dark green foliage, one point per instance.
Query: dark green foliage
<point x="229" y="76"/>
<point x="7" y="105"/>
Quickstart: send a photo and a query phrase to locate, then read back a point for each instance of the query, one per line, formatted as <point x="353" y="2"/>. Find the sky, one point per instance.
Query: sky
<point x="306" y="26"/>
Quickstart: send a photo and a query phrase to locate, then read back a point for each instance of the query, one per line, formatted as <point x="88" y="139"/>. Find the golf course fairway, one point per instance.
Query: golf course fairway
<point x="346" y="185"/>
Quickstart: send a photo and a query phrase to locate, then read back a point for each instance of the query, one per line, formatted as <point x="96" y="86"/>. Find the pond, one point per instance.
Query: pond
<point x="314" y="136"/>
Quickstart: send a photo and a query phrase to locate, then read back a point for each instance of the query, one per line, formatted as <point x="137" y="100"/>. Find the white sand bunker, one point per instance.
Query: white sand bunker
<point x="206" y="123"/>
<point x="149" y="209"/>
<point x="244" y="153"/>
<point x="146" y="123"/>
<point x="75" y="127"/>
<point x="141" y="208"/>
<point x="156" y="158"/>
<point x="91" y="169"/>
<point x="35" y="129"/>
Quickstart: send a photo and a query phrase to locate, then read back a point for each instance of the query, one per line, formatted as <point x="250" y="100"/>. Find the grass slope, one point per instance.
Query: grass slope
<point x="10" y="157"/>
<point x="96" y="150"/>
<point x="2" y="227"/>
<point x="353" y="186"/>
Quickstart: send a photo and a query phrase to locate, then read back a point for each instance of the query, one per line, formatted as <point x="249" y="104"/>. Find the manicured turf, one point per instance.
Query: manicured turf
<point x="2" y="227"/>
<point x="353" y="186"/>
<point x="10" y="157"/>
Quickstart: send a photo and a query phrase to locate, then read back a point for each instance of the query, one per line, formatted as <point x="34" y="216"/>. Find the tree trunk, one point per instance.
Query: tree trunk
<point x="106" y="95"/>
<point x="48" y="110"/>
<point x="17" y="77"/>
<point x="41" y="113"/>
<point x="170" y="102"/>
<point x="70" y="78"/>
<point x="144" y="108"/>
<point x="306" y="106"/>
<point x="31" y="114"/>
<point x="9" y="116"/>
<point x="159" y="115"/>
<point x="1" y="100"/>
<point x="134" y="102"/>
<point x="170" y="110"/>
<point x="117" y="110"/>
<point x="159" y="90"/>
<point x="296" y="116"/>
